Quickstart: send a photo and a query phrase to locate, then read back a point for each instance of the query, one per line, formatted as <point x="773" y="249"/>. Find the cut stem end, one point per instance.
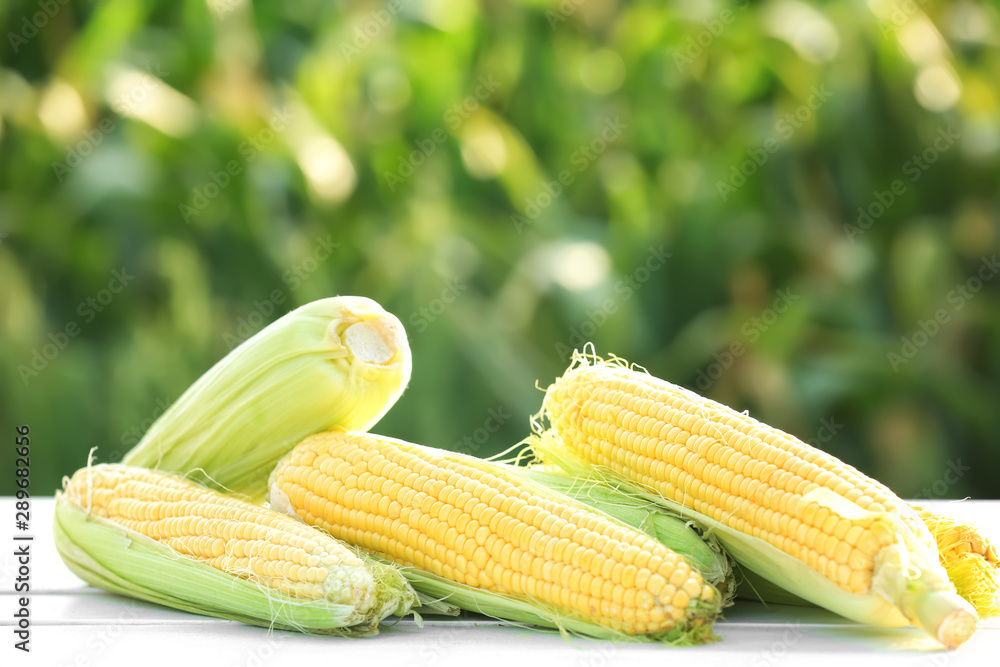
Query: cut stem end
<point x="371" y="341"/>
<point x="946" y="615"/>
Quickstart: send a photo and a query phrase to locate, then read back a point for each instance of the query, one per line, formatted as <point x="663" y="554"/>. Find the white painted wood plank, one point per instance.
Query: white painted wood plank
<point x="234" y="644"/>
<point x="48" y="573"/>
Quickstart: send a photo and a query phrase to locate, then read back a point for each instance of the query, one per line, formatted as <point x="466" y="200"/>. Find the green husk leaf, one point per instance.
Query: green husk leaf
<point x="109" y="556"/>
<point x="752" y="586"/>
<point x="337" y="362"/>
<point x="429" y="604"/>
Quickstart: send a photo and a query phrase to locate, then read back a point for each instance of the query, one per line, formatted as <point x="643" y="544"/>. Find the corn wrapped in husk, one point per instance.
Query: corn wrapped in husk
<point x="336" y="362"/>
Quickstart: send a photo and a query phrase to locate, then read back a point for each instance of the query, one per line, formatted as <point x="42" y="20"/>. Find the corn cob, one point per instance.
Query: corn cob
<point x="972" y="562"/>
<point x="115" y="522"/>
<point x="341" y="361"/>
<point x="492" y="540"/>
<point x="793" y="514"/>
<point x="701" y="550"/>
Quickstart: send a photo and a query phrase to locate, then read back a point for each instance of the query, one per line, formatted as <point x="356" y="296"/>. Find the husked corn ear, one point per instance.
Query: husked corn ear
<point x="271" y="551"/>
<point x="971" y="560"/>
<point x="483" y="526"/>
<point x="336" y="362"/>
<point x="757" y="482"/>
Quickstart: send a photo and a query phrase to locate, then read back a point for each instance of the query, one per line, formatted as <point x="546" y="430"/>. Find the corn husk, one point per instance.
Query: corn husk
<point x="336" y="362"/>
<point x="752" y="586"/>
<point x="107" y="555"/>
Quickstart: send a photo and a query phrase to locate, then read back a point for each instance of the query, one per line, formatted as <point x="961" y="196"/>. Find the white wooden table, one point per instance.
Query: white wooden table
<point x="75" y="625"/>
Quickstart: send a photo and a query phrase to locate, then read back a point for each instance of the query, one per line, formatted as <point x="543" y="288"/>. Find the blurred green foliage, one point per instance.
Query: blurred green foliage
<point x="209" y="152"/>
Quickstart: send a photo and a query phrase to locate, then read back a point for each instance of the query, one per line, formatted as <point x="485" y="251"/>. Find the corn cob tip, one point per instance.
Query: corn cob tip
<point x="374" y="342"/>
<point x="371" y="334"/>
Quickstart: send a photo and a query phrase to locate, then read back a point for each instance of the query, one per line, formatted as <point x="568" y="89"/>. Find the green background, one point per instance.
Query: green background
<point x="116" y="115"/>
